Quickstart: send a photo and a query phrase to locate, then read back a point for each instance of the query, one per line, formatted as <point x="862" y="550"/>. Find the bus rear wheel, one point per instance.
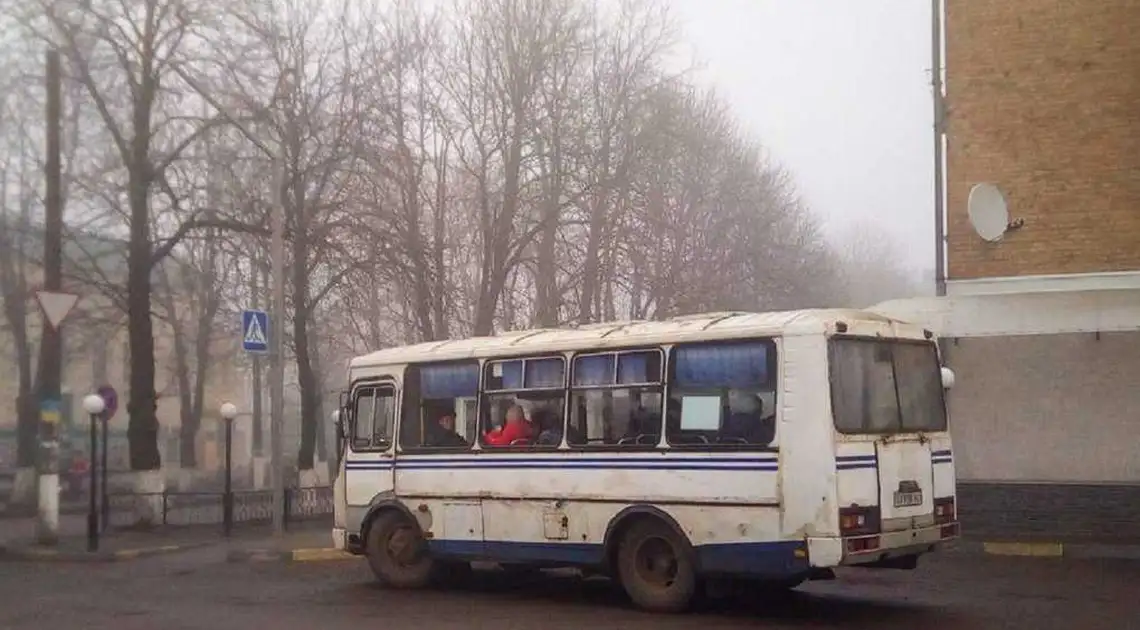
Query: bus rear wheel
<point x="397" y="552"/>
<point x="656" y="568"/>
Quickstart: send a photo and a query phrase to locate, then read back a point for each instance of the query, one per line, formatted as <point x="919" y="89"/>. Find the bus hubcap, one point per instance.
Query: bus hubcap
<point x="404" y="546"/>
<point x="656" y="562"/>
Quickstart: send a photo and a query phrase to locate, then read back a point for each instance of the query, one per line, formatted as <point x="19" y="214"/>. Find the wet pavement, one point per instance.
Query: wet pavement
<point x="197" y="589"/>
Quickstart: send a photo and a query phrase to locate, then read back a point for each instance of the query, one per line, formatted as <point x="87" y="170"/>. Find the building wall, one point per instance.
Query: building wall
<point x="1045" y="435"/>
<point x="1043" y="99"/>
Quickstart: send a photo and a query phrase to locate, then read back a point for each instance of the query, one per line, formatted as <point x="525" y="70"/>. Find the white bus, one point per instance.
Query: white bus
<point x="766" y="446"/>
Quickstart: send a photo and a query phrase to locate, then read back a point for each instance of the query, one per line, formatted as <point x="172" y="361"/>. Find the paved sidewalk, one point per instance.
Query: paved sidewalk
<point x="119" y="545"/>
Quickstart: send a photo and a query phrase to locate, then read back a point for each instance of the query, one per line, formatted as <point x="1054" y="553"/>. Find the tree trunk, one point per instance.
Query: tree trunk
<point x="307" y="381"/>
<point x="548" y="306"/>
<point x="306" y="377"/>
<point x="439" y="246"/>
<point x="27" y="411"/>
<point x="188" y="430"/>
<point x="142" y="405"/>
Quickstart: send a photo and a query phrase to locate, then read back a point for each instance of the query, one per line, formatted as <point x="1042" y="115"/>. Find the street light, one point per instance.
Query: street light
<point x="229" y="412"/>
<point x="94" y="405"/>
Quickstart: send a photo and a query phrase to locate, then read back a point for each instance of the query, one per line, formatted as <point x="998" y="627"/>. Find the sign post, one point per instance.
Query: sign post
<point x="255" y="340"/>
<point x="55" y="307"/>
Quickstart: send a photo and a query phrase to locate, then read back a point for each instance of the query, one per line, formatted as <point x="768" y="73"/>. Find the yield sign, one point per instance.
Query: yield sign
<point x="56" y="306"/>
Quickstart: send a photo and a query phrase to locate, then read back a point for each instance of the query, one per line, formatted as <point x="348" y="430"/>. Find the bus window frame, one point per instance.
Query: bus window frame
<point x="375" y="382"/>
<point x="773" y="369"/>
<point x="484" y="408"/>
<point x="662" y="385"/>
<point x="422" y="449"/>
<point x="889" y="341"/>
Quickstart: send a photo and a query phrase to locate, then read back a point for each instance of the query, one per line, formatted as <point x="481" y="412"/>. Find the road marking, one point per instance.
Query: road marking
<point x="319" y="554"/>
<point x="1035" y="550"/>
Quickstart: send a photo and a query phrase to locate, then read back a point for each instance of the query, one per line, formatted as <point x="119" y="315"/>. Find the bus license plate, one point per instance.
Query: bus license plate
<point x="908" y="499"/>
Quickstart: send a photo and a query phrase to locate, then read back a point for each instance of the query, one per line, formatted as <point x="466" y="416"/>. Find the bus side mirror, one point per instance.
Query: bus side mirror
<point x="340" y="418"/>
<point x="947" y="378"/>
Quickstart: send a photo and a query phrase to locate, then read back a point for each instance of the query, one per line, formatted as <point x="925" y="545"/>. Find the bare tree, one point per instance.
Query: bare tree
<point x="871" y="265"/>
<point x="116" y="51"/>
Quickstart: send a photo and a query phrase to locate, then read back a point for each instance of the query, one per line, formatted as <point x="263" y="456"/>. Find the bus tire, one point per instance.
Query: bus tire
<point x="656" y="567"/>
<point x="397" y="552"/>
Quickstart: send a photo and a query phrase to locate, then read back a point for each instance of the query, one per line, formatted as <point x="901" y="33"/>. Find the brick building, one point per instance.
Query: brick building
<point x="1043" y="326"/>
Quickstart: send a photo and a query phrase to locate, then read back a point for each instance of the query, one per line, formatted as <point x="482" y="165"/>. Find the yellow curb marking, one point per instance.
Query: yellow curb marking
<point x="1035" y="550"/>
<point x="319" y="554"/>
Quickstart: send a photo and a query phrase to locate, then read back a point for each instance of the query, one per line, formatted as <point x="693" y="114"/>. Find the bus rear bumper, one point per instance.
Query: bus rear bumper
<point x="878" y="548"/>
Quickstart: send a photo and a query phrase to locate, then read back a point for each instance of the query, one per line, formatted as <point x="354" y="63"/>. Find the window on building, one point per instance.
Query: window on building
<point x="722" y="394"/>
<point x="615" y="399"/>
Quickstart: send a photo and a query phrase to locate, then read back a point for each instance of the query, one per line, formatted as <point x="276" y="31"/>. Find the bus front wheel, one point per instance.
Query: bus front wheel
<point x="656" y="567"/>
<point x="397" y="552"/>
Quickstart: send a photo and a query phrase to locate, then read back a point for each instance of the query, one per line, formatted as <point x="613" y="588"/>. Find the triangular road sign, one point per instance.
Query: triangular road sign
<point x="254" y="335"/>
<point x="56" y="306"/>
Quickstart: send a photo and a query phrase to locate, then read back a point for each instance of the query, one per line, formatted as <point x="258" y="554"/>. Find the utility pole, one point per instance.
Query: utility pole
<point x="277" y="353"/>
<point x="283" y="91"/>
<point x="939" y="208"/>
<point x="51" y="343"/>
<point x="258" y="388"/>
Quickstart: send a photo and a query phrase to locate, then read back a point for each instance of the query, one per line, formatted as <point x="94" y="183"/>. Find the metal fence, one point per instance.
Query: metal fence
<point x="209" y="508"/>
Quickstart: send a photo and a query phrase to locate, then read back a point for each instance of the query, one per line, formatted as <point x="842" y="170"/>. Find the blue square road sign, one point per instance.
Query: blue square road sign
<point x="254" y="331"/>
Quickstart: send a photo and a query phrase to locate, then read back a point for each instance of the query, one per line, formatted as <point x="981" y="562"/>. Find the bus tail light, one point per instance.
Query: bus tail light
<point x="944" y="510"/>
<point x="858" y="520"/>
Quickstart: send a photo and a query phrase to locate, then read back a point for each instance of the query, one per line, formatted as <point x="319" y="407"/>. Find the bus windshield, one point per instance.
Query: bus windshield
<point x="885" y="386"/>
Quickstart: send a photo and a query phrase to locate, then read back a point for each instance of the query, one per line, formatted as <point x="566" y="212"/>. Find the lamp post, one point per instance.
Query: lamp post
<point x="93" y="404"/>
<point x="229" y="412"/>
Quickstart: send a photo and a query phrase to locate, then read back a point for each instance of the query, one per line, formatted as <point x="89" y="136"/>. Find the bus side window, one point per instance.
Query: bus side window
<point x="722" y="394"/>
<point x="534" y="385"/>
<point x="374" y="417"/>
<point x="438" y="401"/>
<point x="616" y="399"/>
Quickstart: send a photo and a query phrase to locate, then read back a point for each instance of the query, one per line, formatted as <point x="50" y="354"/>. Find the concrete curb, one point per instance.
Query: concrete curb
<point x="315" y="554"/>
<point x="41" y="554"/>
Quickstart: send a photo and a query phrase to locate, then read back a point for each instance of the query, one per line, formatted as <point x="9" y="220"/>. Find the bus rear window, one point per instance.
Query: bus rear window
<point x="886" y="386"/>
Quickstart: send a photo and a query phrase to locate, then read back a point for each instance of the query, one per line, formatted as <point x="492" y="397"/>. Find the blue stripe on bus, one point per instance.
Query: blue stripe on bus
<point x="772" y="559"/>
<point x="593" y="463"/>
<point x="856" y="462"/>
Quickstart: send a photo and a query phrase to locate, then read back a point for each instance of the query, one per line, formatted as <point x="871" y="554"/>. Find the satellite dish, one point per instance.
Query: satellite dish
<point x="988" y="212"/>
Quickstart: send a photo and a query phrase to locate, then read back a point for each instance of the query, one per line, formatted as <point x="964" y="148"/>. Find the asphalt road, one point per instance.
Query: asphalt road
<point x="196" y="590"/>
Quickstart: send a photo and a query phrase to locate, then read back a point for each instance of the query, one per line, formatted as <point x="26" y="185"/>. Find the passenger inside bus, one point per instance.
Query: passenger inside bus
<point x="742" y="420"/>
<point x="644" y="427"/>
<point x="745" y="420"/>
<point x="516" y="430"/>
<point x="442" y="431"/>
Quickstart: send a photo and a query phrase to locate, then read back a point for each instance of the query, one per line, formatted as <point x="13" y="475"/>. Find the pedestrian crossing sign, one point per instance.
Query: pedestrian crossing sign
<point x="254" y="331"/>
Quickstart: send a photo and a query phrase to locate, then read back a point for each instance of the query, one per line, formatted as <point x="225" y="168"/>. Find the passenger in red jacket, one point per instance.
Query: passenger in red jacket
<point x="516" y="428"/>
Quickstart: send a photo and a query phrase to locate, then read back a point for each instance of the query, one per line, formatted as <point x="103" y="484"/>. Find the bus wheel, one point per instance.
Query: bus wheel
<point x="656" y="567"/>
<point x="397" y="553"/>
